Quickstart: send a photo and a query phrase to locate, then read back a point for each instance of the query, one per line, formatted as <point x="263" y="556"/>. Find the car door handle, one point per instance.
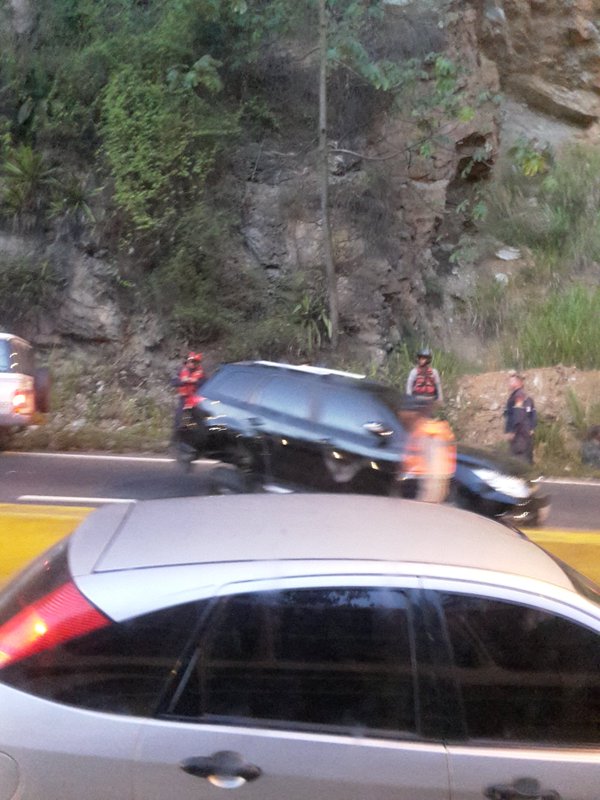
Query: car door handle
<point x="225" y="769"/>
<point x="521" y="789"/>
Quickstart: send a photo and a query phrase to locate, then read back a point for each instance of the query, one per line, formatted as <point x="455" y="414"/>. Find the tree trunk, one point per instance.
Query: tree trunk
<point x="332" y="298"/>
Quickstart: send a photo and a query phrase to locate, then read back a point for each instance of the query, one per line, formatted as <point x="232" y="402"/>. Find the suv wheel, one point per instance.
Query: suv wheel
<point x="342" y="468"/>
<point x="228" y="480"/>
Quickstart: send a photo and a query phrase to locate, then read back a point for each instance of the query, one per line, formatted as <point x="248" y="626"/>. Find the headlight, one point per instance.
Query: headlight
<point x="507" y="484"/>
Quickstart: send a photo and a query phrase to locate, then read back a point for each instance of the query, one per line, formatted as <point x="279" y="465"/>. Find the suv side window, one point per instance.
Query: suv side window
<point x="525" y="674"/>
<point x="234" y="383"/>
<point x="349" y="409"/>
<point x="335" y="658"/>
<point x="286" y="395"/>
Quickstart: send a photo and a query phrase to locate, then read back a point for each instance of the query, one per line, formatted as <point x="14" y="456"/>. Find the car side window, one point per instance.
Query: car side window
<point x="286" y="396"/>
<point x="337" y="659"/>
<point x="122" y="668"/>
<point x="525" y="674"/>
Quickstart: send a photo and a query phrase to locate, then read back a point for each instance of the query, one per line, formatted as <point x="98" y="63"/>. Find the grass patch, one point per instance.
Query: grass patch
<point x="97" y="403"/>
<point x="555" y="214"/>
<point x="562" y="329"/>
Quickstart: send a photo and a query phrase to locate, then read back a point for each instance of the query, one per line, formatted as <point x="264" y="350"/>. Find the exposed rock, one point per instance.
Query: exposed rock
<point x="521" y="122"/>
<point x="90" y="310"/>
<point x="392" y="233"/>
<point x="15" y="246"/>
<point x="574" y="105"/>
<point x="21" y="16"/>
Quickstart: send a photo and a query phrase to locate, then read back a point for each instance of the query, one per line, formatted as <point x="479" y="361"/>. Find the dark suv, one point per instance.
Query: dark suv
<point x="320" y="429"/>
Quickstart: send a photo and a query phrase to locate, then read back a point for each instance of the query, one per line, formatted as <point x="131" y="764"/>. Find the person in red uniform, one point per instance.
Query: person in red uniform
<point x="188" y="379"/>
<point x="423" y="379"/>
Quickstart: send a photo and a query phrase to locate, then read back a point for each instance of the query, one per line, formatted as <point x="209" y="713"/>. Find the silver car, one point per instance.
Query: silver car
<point x="306" y="647"/>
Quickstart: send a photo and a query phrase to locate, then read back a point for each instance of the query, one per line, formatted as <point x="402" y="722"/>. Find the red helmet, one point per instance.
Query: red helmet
<point x="194" y="356"/>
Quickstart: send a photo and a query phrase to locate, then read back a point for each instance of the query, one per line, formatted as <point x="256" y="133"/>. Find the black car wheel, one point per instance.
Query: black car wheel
<point x="229" y="480"/>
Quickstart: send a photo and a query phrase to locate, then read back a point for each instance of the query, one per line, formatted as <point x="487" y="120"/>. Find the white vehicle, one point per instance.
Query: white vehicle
<point x="298" y="646"/>
<point x="23" y="389"/>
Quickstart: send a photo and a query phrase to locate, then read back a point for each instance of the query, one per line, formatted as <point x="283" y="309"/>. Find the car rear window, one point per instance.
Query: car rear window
<point x="54" y="643"/>
<point x="4" y="359"/>
<point x="16" y="357"/>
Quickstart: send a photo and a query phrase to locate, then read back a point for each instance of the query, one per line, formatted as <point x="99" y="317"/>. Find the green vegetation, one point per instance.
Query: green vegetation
<point x="122" y="122"/>
<point x="564" y="328"/>
<point x="27" y="289"/>
<point x="548" y="207"/>
<point x="554" y="211"/>
<point x="119" y="121"/>
<point x="99" y="405"/>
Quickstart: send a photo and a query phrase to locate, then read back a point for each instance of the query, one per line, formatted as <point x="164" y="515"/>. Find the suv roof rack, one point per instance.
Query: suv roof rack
<point x="312" y="370"/>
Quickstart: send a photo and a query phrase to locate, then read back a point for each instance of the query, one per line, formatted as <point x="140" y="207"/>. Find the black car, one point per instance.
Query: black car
<point x="325" y="430"/>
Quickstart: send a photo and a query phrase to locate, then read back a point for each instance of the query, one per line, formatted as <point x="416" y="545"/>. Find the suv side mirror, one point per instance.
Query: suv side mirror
<point x="379" y="430"/>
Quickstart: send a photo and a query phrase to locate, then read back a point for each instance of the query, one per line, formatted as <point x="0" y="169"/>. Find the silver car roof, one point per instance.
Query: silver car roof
<point x="300" y="527"/>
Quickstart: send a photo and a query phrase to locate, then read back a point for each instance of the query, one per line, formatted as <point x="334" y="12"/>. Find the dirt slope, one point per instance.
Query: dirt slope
<point x="565" y="396"/>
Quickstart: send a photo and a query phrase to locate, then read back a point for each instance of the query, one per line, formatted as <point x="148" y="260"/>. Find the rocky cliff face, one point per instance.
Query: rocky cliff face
<point x="547" y="52"/>
<point x="391" y="211"/>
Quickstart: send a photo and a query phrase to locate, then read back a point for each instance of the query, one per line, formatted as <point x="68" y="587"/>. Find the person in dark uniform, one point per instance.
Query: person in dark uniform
<point x="520" y="418"/>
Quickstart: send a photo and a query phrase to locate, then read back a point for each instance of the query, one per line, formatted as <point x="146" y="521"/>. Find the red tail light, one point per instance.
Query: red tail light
<point x="60" y="616"/>
<point x="22" y="401"/>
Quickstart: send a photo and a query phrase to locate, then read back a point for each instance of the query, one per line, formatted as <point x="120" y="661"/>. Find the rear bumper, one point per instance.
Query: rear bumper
<point x="15" y="420"/>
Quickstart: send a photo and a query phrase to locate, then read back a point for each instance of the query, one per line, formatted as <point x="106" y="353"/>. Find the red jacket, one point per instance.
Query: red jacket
<point x="187" y="383"/>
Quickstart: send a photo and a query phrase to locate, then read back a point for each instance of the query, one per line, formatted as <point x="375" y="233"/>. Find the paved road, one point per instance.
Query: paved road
<point x="44" y="496"/>
<point x="93" y="479"/>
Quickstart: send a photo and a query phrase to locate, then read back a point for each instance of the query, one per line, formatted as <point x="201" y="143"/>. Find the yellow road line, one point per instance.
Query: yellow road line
<point x="27" y="530"/>
<point x="580" y="549"/>
<point x="563" y="535"/>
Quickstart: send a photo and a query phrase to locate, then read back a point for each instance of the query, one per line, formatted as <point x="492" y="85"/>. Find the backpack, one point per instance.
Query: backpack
<point x="424" y="385"/>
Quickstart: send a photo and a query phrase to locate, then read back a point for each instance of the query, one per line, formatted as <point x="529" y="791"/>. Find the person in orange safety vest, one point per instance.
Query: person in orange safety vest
<point x="188" y="379"/>
<point x="429" y="456"/>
